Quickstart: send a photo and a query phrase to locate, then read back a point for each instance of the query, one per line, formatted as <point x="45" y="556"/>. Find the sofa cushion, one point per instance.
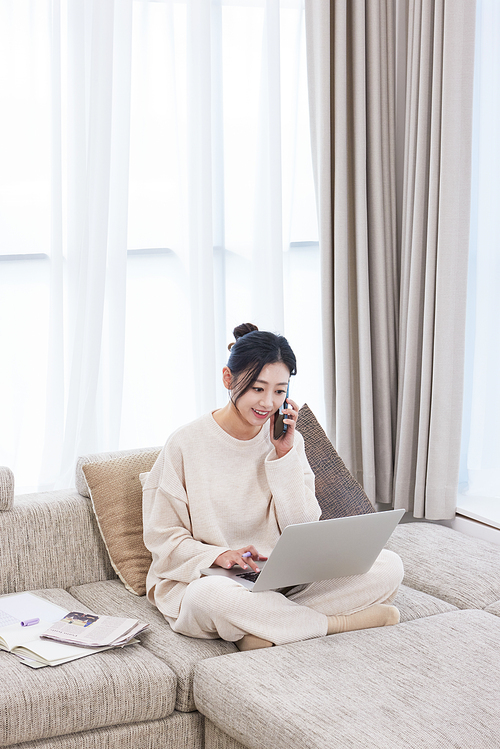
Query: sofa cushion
<point x="444" y="563"/>
<point x="116" y="494"/>
<point x="183" y="653"/>
<point x="337" y="491"/>
<point x="178" y="730"/>
<point x="179" y="652"/>
<point x="413" y="604"/>
<point x="494" y="608"/>
<point x="99" y="690"/>
<point x="424" y="684"/>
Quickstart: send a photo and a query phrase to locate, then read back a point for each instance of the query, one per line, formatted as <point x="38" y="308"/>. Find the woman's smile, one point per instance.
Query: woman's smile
<point x="261" y="414"/>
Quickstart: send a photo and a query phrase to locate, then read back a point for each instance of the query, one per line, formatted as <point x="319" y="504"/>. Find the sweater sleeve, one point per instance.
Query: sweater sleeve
<point x="291" y="481"/>
<point x="176" y="554"/>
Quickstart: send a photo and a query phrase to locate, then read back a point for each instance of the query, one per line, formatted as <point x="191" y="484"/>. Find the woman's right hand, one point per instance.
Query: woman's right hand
<point x="229" y="558"/>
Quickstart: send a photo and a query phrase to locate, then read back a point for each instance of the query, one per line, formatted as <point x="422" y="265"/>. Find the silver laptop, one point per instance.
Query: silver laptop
<point x="322" y="550"/>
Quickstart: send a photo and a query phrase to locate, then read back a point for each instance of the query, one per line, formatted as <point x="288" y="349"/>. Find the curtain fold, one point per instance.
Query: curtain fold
<point x="267" y="264"/>
<point x="434" y="251"/>
<point x="317" y="19"/>
<point x="394" y="266"/>
<point x="199" y="203"/>
<point x="87" y="326"/>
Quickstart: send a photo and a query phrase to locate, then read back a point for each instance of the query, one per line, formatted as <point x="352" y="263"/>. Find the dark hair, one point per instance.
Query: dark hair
<point x="252" y="350"/>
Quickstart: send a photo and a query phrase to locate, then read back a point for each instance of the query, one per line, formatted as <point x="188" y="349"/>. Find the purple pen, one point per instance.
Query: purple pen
<point x="29" y="622"/>
<point x="248" y="554"/>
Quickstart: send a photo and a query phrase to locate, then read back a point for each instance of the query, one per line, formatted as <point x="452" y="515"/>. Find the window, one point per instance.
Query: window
<point x="480" y="459"/>
<point x="157" y="192"/>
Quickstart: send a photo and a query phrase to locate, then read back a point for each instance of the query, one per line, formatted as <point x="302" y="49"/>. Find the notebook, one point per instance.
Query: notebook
<point x="322" y="550"/>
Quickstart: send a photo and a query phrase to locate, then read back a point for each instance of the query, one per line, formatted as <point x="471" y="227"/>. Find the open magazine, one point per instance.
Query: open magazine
<point x="92" y="631"/>
<point x="25" y="619"/>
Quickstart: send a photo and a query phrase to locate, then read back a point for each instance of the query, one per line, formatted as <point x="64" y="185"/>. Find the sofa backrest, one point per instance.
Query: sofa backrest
<point x="50" y="540"/>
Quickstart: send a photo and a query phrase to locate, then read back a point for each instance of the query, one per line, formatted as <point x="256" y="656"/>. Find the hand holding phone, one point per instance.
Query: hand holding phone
<point x="279" y="426"/>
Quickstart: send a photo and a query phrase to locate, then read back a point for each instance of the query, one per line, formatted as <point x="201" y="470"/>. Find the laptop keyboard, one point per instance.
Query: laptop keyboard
<point x="252" y="576"/>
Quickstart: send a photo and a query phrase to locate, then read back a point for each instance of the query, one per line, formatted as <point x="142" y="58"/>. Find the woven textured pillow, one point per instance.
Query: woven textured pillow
<point x="337" y="491"/>
<point x="116" y="493"/>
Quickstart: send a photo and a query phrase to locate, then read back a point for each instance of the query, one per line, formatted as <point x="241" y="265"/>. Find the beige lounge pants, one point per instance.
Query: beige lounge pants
<point x="219" y="607"/>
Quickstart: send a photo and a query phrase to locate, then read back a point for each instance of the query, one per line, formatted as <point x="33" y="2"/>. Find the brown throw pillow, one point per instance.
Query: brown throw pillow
<point x="337" y="491"/>
<point x="116" y="493"/>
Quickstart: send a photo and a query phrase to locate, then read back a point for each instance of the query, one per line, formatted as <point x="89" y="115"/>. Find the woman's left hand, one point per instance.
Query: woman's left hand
<point x="284" y="444"/>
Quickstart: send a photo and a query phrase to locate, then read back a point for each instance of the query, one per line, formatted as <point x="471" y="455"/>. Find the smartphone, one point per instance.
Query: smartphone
<point x="279" y="426"/>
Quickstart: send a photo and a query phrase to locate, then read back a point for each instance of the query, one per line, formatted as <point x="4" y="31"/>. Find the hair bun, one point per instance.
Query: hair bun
<point x="241" y="330"/>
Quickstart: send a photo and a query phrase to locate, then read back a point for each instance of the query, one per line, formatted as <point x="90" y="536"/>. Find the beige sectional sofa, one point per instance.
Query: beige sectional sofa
<point x="431" y="681"/>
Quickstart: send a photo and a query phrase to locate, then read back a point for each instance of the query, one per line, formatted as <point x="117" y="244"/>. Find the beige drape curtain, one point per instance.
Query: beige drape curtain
<point x="391" y="109"/>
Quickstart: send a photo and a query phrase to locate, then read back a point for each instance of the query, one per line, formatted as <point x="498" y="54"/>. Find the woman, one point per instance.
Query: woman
<point x="221" y="492"/>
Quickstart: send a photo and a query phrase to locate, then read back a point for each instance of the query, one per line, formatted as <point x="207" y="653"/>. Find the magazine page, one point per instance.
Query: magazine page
<point x="24" y="616"/>
<point x="91" y="630"/>
<point x="17" y="607"/>
<point x="47" y="651"/>
<point x="15" y="634"/>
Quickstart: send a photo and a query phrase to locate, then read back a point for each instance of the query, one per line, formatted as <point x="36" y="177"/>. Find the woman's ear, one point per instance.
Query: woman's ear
<point x="227" y="378"/>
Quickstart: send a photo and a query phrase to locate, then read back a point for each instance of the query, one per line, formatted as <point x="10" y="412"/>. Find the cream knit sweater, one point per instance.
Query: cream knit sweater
<point x="209" y="492"/>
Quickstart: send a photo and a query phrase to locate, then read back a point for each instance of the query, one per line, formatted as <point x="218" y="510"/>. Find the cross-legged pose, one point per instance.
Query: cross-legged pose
<point x="221" y="492"/>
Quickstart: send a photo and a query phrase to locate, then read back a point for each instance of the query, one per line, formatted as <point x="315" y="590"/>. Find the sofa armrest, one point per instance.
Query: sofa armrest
<point x="6" y="488"/>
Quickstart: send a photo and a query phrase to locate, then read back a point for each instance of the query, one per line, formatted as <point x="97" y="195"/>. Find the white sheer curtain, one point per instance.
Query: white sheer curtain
<point x="88" y="262"/>
<point x="480" y="469"/>
<point x="157" y="191"/>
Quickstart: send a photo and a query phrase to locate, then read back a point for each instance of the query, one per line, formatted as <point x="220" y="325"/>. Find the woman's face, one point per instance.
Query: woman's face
<point x="265" y="395"/>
